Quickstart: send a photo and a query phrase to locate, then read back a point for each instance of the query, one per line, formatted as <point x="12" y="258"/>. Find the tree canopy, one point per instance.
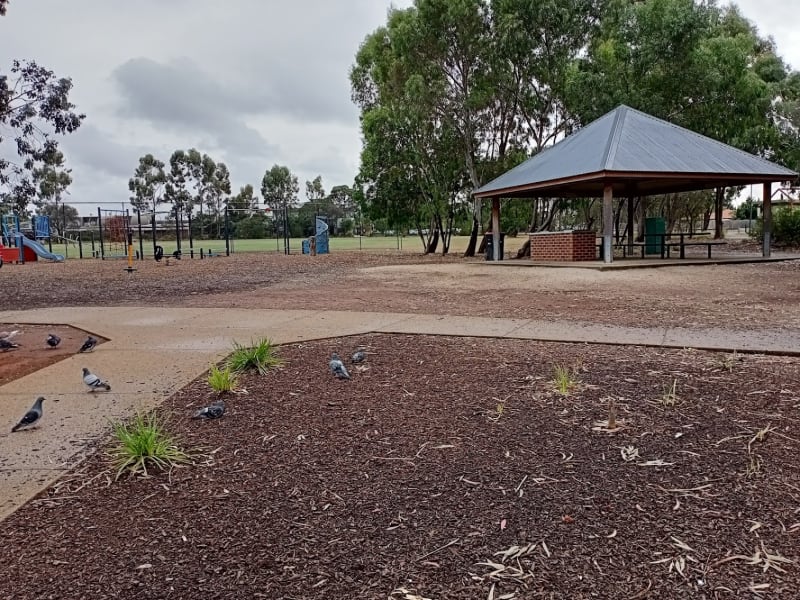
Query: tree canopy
<point x="454" y="92"/>
<point x="279" y="188"/>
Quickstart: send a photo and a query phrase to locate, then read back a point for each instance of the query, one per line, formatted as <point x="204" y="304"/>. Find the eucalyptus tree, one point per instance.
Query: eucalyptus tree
<point x="279" y="188"/>
<point x="147" y="184"/>
<point x="695" y="64"/>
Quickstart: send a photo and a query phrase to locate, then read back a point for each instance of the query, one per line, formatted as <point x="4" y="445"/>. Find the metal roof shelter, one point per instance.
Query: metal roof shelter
<point x="629" y="153"/>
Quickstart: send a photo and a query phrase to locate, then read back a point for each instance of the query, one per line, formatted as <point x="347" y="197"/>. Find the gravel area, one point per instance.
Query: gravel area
<point x="446" y="469"/>
<point x="737" y="296"/>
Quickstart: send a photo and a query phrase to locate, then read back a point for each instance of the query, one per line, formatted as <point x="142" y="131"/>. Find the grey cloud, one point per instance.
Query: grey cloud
<point x="92" y="147"/>
<point x="179" y="96"/>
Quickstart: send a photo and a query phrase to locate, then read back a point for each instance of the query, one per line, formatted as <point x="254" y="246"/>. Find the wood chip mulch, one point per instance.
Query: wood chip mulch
<point x="446" y="469"/>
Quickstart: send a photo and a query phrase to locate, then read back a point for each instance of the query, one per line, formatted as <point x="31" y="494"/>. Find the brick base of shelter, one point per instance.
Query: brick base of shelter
<point x="563" y="246"/>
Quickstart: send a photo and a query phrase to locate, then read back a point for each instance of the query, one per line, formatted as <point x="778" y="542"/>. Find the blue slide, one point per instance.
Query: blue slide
<point x="41" y="251"/>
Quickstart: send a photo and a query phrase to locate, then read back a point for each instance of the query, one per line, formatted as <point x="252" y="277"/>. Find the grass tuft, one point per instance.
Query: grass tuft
<point x="670" y="395"/>
<point x="564" y="380"/>
<point x="143" y="442"/>
<point x="261" y="356"/>
<point x="221" y="380"/>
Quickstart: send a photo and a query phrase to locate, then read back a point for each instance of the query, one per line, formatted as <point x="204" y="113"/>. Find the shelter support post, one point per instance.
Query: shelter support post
<point x="630" y="225"/>
<point x="608" y="223"/>
<point x="767" y="220"/>
<point x="496" y="228"/>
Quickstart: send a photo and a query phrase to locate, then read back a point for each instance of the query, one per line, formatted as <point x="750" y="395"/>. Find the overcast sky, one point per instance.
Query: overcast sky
<point x="250" y="82"/>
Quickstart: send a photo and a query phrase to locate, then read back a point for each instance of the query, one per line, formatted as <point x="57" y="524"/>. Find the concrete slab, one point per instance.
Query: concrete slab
<point x="453" y="325"/>
<point x="654" y="262"/>
<point x="559" y="331"/>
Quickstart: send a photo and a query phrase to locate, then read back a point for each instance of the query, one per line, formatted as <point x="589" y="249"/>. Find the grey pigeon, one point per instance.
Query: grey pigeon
<point x="88" y="345"/>
<point x="358" y="356"/>
<point x="94" y="382"/>
<point x="31" y="417"/>
<point x="8" y="335"/>
<point x="337" y="367"/>
<point x="6" y="345"/>
<point x="212" y="411"/>
<point x="53" y="340"/>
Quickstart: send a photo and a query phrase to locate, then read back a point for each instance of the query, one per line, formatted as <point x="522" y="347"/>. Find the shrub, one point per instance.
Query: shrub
<point x="261" y="357"/>
<point x="144" y="442"/>
<point x="251" y="228"/>
<point x="221" y="380"/>
<point x="785" y="227"/>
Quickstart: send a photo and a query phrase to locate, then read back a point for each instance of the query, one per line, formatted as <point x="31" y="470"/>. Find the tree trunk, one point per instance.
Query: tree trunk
<point x="718" y="203"/>
<point x="433" y="241"/>
<point x="617" y="222"/>
<point x="548" y="223"/>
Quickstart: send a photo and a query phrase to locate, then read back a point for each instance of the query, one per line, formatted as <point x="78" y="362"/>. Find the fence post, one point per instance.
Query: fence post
<point x="177" y="227"/>
<point x="191" y="241"/>
<point x="153" y="231"/>
<point x="227" y="234"/>
<point x="139" y="223"/>
<point x="100" y="228"/>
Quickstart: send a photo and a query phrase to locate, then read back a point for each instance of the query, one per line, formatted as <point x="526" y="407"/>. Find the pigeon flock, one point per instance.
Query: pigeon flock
<point x="95" y="383"/>
<point x="34" y="415"/>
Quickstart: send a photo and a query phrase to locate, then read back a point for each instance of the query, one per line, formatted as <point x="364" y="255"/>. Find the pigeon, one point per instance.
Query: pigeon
<point x="31" y="417"/>
<point x="212" y="411"/>
<point x="337" y="367"/>
<point x="6" y="345"/>
<point x="8" y="335"/>
<point x="88" y="345"/>
<point x="94" y="382"/>
<point x="53" y="340"/>
<point x="358" y="356"/>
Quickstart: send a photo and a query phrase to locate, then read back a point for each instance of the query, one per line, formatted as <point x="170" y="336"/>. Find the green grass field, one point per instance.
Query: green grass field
<point x="340" y="244"/>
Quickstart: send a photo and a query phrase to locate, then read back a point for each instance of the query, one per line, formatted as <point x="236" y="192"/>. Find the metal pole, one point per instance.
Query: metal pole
<point x="100" y="227"/>
<point x="139" y="223"/>
<point x="178" y="227"/>
<point x="153" y="231"/>
<point x="80" y="244"/>
<point x="227" y="234"/>
<point x="191" y="239"/>
<point x="286" y="249"/>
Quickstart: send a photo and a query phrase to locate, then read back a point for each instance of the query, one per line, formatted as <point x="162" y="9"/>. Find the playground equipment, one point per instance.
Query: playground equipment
<point x="15" y="246"/>
<point x="318" y="244"/>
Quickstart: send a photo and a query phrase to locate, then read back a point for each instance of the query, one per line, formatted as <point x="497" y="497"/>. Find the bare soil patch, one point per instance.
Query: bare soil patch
<point x="447" y="468"/>
<point x="33" y="353"/>
<point x="738" y="296"/>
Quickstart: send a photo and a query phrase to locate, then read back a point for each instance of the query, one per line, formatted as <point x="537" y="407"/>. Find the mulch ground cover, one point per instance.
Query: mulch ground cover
<point x="446" y="469"/>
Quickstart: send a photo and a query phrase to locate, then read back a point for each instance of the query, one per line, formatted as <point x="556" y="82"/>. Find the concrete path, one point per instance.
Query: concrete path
<point x="154" y="351"/>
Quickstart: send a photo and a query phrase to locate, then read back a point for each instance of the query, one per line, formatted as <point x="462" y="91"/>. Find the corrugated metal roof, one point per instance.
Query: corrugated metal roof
<point x="635" y="152"/>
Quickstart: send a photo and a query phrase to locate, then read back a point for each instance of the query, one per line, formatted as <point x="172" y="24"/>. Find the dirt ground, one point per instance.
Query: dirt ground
<point x="33" y="353"/>
<point x="446" y="469"/>
<point x="739" y="296"/>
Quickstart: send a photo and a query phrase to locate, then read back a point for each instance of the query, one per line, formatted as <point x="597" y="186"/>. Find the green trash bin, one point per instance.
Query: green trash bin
<point x="654" y="228"/>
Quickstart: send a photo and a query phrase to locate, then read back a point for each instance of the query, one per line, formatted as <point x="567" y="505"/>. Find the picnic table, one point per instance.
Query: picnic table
<point x="664" y="243"/>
